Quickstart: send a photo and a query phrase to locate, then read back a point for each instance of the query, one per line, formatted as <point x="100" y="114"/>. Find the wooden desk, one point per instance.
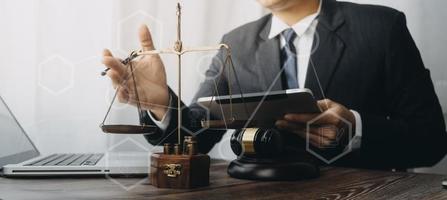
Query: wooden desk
<point x="334" y="183"/>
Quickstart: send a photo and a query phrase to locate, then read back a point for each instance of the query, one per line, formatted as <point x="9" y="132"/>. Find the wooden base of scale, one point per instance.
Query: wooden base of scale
<point x="179" y="171"/>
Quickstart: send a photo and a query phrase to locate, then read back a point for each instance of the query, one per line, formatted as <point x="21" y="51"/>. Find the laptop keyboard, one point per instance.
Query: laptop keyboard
<point x="68" y="160"/>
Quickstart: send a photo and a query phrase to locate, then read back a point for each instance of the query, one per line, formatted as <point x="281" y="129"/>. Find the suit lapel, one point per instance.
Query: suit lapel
<point x="268" y="60"/>
<point x="328" y="48"/>
<point x="324" y="61"/>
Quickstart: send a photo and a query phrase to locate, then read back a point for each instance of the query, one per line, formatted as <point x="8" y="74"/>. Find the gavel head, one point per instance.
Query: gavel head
<point x="257" y="142"/>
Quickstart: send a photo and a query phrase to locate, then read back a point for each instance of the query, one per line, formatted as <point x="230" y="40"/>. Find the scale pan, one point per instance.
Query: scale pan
<point x="128" y="129"/>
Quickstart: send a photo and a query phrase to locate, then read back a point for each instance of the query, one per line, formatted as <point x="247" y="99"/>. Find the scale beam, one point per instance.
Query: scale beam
<point x="178" y="50"/>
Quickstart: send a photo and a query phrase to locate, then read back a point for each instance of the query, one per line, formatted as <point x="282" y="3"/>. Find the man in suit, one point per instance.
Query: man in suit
<point x="360" y="61"/>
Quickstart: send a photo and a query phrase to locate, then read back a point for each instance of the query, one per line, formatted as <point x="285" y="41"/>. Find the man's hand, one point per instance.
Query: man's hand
<point x="149" y="74"/>
<point x="328" y="131"/>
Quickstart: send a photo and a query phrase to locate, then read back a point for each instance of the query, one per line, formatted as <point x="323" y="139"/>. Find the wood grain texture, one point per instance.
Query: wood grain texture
<point x="193" y="171"/>
<point x="334" y="183"/>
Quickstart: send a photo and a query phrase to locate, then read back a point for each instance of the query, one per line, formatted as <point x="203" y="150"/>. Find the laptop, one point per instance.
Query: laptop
<point x="19" y="157"/>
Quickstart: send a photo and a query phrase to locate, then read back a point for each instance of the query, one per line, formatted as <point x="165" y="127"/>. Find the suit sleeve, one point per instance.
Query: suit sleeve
<point x="412" y="134"/>
<point x="193" y="115"/>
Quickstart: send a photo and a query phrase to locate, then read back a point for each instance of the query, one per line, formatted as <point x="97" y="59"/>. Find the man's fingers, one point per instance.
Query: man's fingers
<point x="115" y="65"/>
<point x="117" y="79"/>
<point x="306" y="118"/>
<point x="298" y="129"/>
<point x="112" y="62"/>
<point x="325" y="104"/>
<point x="283" y="124"/>
<point x="146" y="38"/>
<point x="313" y="139"/>
<point x="107" y="52"/>
<point x="329" y="132"/>
<point x="123" y="96"/>
<point x="319" y="137"/>
<point x="300" y="118"/>
<point x="318" y="140"/>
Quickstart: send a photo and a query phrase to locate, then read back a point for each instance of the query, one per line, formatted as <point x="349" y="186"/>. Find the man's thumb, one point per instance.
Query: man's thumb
<point x="146" y="38"/>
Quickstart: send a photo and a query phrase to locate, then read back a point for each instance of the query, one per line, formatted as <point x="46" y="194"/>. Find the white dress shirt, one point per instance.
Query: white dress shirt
<point x="305" y="30"/>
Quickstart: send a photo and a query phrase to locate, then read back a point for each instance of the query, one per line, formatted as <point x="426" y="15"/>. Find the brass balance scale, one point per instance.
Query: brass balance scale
<point x="174" y="167"/>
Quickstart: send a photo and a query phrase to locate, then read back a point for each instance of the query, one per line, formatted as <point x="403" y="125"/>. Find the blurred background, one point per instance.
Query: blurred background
<point x="50" y="59"/>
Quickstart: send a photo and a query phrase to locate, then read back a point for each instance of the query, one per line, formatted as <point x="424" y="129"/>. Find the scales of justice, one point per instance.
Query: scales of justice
<point x="181" y="165"/>
<point x="177" y="50"/>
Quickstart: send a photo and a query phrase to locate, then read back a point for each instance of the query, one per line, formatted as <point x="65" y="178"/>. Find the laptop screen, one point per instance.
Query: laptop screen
<point x="15" y="146"/>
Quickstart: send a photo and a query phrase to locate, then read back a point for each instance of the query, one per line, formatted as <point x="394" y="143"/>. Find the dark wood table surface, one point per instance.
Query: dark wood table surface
<point x="334" y="183"/>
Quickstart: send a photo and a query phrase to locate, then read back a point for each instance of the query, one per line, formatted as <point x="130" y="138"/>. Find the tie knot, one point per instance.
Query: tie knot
<point x="289" y="34"/>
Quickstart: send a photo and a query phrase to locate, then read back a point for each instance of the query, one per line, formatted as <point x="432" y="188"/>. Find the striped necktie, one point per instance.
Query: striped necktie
<point x="289" y="59"/>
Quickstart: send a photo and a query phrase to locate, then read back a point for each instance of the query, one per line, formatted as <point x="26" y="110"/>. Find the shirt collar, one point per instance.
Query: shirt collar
<point x="278" y="26"/>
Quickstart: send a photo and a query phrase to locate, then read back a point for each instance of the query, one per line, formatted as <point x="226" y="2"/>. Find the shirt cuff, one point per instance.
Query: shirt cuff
<point x="356" y="141"/>
<point x="164" y="122"/>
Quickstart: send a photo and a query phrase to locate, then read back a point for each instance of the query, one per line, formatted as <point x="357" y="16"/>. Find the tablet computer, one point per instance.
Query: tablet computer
<point x="258" y="109"/>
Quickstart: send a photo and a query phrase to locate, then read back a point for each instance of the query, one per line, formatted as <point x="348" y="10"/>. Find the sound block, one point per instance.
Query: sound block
<point x="179" y="171"/>
<point x="273" y="169"/>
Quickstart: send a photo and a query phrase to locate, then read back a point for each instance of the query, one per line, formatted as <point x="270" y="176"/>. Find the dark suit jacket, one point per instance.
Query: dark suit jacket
<point x="366" y="60"/>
